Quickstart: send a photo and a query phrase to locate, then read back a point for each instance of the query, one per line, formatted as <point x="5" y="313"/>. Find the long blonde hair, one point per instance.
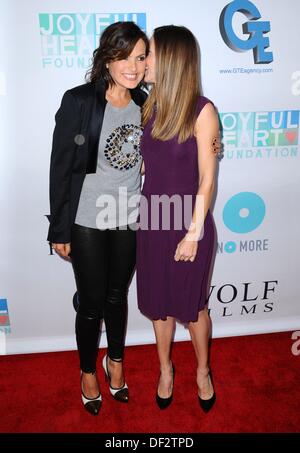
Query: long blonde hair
<point x="177" y="86"/>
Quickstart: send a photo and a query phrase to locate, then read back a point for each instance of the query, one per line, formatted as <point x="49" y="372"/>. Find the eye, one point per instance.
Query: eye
<point x="141" y="58"/>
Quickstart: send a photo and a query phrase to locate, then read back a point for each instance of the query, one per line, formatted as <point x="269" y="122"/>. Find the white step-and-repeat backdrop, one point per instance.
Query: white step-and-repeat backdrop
<point x="250" y="67"/>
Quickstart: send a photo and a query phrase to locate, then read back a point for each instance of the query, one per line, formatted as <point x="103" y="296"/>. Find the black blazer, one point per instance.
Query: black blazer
<point x="78" y="124"/>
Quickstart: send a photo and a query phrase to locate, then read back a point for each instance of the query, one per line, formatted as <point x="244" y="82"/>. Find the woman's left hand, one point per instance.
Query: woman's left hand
<point x="186" y="250"/>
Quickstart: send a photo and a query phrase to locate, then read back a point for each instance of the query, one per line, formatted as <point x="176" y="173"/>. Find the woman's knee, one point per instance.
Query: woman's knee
<point x="91" y="313"/>
<point x="116" y="296"/>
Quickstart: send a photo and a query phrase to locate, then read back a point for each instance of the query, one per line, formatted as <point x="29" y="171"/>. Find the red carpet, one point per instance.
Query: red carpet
<point x="256" y="381"/>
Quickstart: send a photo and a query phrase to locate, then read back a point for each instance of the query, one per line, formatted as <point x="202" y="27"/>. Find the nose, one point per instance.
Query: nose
<point x="132" y="64"/>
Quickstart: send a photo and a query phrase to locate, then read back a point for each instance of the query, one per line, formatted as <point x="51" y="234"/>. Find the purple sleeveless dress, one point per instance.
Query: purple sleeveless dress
<point x="166" y="287"/>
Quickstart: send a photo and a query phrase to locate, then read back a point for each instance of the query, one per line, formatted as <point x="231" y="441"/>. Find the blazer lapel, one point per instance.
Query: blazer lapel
<point x="138" y="96"/>
<point x="95" y="125"/>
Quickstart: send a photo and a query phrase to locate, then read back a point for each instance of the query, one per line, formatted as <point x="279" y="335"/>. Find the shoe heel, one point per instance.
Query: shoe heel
<point x="119" y="394"/>
<point x="92" y="405"/>
<point x="163" y="403"/>
<point x="206" y="405"/>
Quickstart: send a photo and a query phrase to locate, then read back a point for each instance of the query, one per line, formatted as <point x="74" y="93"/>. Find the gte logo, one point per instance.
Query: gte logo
<point x="256" y="41"/>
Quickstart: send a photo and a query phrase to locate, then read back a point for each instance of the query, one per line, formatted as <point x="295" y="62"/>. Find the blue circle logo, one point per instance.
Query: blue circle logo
<point x="244" y="212"/>
<point x="230" y="247"/>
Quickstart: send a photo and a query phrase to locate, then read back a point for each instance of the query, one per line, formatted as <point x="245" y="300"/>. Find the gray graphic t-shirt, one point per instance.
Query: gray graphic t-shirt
<point x="105" y="194"/>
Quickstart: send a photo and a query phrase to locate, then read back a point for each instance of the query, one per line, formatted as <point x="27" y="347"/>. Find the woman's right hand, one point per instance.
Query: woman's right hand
<point x="62" y="250"/>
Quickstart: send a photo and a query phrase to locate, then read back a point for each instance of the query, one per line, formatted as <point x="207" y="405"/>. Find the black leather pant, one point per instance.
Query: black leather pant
<point x="103" y="262"/>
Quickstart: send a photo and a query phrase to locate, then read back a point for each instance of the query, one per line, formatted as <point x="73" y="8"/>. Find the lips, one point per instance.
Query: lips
<point x="130" y="76"/>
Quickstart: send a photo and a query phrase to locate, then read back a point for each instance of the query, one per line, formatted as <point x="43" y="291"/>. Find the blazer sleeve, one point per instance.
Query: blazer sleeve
<point x="67" y="126"/>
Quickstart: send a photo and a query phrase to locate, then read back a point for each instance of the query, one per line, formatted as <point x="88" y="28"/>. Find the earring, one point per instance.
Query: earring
<point x="106" y="65"/>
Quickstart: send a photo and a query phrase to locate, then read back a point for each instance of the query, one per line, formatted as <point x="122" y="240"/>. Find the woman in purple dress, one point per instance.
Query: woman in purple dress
<point x="176" y="236"/>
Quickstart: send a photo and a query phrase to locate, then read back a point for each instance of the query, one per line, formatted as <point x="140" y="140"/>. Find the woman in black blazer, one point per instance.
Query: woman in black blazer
<point x="95" y="151"/>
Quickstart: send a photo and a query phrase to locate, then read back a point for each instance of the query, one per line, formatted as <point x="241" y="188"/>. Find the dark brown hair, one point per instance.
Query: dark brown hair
<point x="116" y="43"/>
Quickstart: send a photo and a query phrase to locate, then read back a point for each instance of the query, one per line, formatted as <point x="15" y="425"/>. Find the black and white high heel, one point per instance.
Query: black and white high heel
<point x="120" y="394"/>
<point x="92" y="405"/>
